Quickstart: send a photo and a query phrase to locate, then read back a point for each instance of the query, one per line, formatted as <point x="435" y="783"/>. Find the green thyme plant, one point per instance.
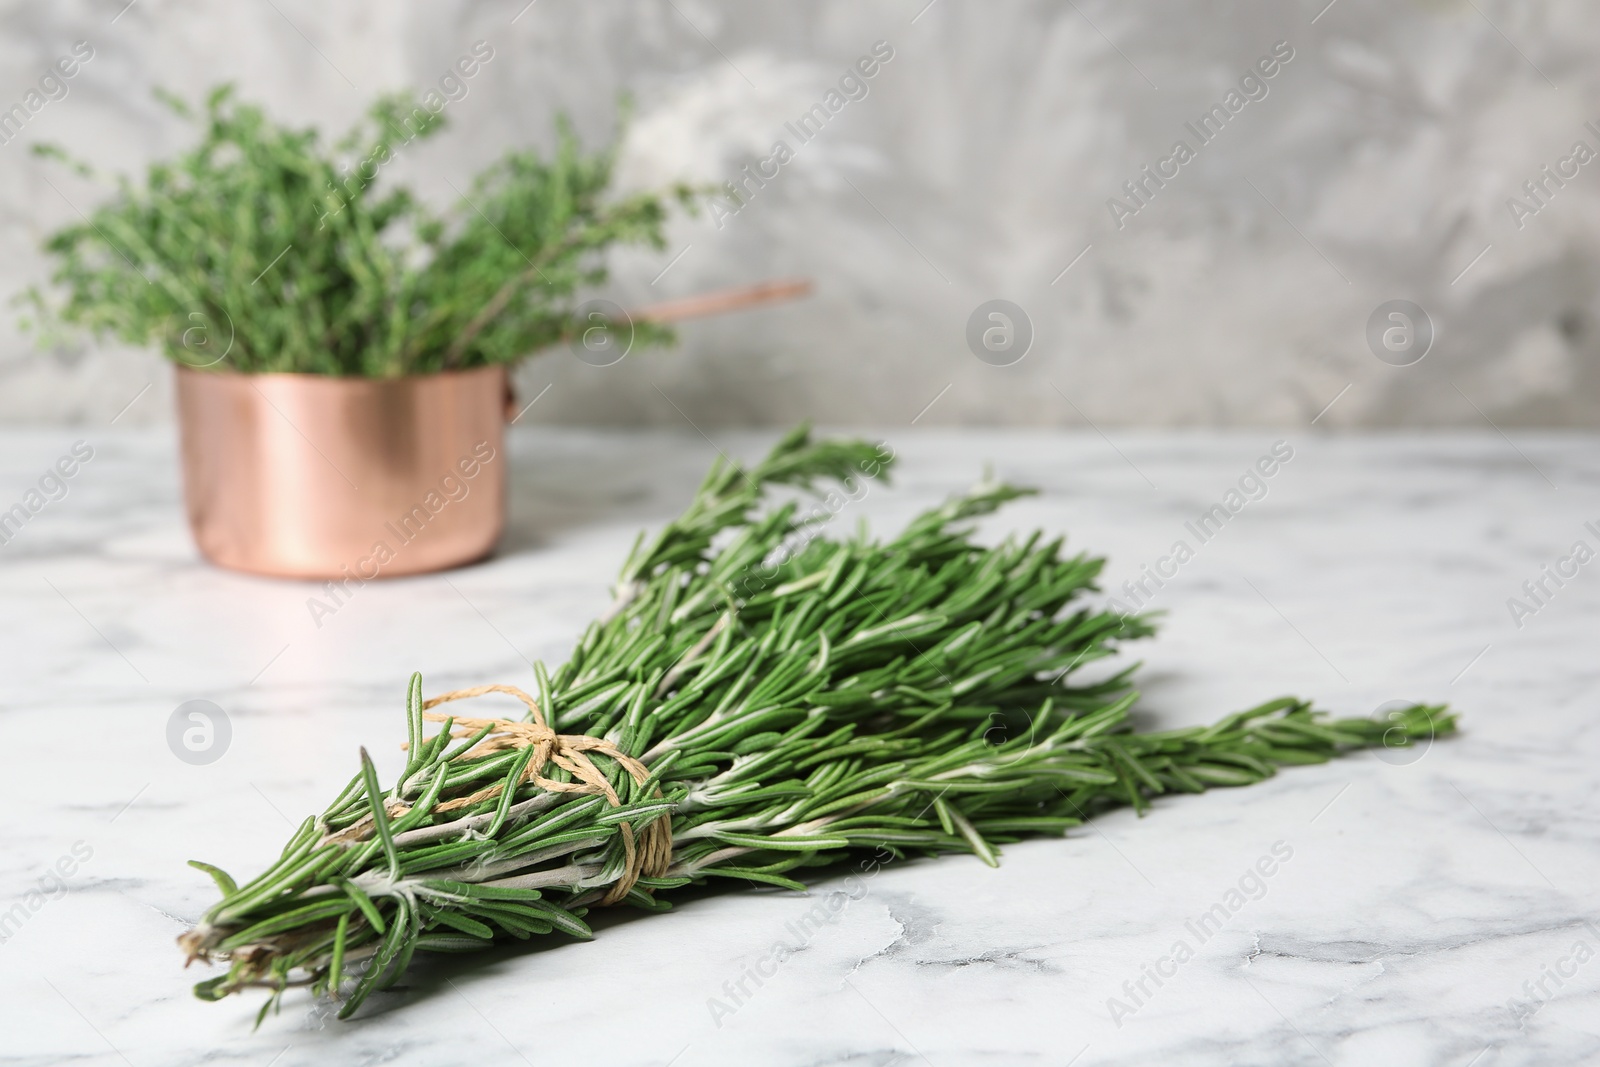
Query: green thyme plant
<point x="264" y="249"/>
<point x="749" y="714"/>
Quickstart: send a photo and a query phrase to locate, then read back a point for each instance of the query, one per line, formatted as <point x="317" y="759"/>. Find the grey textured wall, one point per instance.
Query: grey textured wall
<point x="1379" y="165"/>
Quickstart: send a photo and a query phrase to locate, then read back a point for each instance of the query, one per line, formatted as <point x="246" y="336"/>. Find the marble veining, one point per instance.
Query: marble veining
<point x="1435" y="909"/>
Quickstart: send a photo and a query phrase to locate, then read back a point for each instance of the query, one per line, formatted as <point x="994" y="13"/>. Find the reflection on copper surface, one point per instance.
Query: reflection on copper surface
<point x="309" y="476"/>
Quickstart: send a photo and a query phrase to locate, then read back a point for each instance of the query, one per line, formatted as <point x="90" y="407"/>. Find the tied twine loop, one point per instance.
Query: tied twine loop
<point x="649" y="855"/>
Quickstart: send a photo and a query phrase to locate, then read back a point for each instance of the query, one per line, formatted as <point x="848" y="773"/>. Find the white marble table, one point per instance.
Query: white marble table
<point x="1418" y="900"/>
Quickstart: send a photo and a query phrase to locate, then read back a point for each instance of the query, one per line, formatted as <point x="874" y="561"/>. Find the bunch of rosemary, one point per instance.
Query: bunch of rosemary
<point x="747" y="712"/>
<point x="288" y="254"/>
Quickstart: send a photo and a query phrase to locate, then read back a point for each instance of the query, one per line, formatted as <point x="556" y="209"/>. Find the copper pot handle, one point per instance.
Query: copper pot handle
<point x="717" y="302"/>
<point x="722" y="301"/>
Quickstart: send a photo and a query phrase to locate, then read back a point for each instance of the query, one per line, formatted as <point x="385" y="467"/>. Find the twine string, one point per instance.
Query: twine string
<point x="648" y="855"/>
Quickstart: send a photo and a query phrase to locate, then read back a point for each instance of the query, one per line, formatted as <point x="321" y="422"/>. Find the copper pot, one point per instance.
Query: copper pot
<point x="310" y="476"/>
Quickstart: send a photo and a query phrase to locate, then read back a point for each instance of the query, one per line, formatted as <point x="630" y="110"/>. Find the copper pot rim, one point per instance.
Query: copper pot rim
<point x="347" y="379"/>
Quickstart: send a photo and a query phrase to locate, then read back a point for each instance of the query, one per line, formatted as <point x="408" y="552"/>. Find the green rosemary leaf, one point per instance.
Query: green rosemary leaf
<point x="788" y="843"/>
<point x="433" y="942"/>
<point x="508" y="791"/>
<point x="1039" y="824"/>
<point x="752" y="875"/>
<point x="1211" y="774"/>
<point x="457" y="921"/>
<point x="218" y="875"/>
<point x="336" y="961"/>
<point x="380" y="813"/>
<point x="364" y="902"/>
<point x="422" y="810"/>
<point x="472" y="891"/>
<point x="414" y="717"/>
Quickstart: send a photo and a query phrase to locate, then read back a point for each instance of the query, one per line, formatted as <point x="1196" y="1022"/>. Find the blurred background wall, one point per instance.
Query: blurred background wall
<point x="1382" y="160"/>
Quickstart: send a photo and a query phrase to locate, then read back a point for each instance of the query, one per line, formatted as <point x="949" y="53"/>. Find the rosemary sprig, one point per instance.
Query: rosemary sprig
<point x="916" y="695"/>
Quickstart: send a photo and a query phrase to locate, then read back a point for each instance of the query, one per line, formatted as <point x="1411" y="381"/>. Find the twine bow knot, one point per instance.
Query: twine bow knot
<point x="649" y="855"/>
